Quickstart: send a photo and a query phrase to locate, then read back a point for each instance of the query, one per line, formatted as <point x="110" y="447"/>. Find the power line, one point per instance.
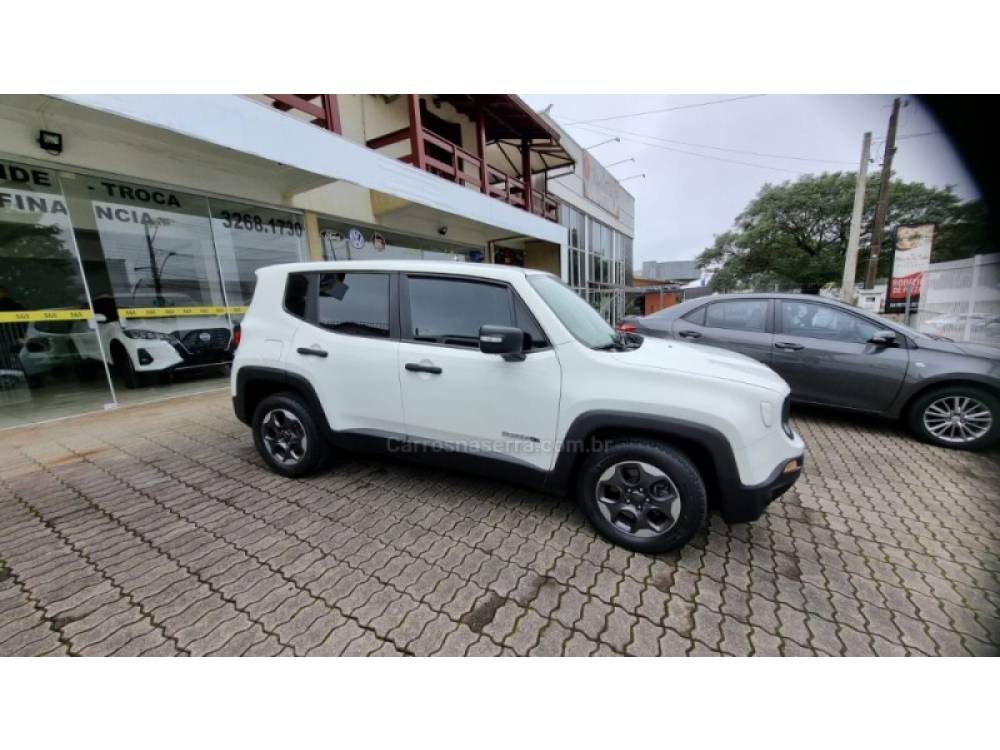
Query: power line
<point x="713" y="158"/>
<point x="920" y="135"/>
<point x="667" y="109"/>
<point x="717" y="148"/>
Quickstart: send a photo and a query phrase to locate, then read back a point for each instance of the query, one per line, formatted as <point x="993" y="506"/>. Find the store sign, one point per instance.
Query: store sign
<point x="910" y="263"/>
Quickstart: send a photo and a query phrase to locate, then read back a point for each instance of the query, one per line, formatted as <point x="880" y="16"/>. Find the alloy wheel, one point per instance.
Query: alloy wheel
<point x="957" y="419"/>
<point x="284" y="436"/>
<point x="638" y="498"/>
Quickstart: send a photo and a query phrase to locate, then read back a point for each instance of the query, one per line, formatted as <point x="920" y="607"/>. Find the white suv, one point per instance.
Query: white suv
<point x="507" y="372"/>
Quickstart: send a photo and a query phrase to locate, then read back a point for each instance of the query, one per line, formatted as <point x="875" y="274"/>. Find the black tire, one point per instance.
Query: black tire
<point x="976" y="409"/>
<point x="652" y="529"/>
<point x="313" y="452"/>
<point x="123" y="366"/>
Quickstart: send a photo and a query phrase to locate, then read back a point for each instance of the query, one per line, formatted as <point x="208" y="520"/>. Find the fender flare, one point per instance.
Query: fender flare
<point x="286" y="381"/>
<point x="579" y="439"/>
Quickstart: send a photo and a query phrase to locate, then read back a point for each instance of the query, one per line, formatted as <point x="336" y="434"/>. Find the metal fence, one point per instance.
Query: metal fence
<point x="961" y="300"/>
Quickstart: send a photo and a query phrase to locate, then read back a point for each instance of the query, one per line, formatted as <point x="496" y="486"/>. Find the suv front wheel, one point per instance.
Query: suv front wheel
<point x="643" y="495"/>
<point x="287" y="437"/>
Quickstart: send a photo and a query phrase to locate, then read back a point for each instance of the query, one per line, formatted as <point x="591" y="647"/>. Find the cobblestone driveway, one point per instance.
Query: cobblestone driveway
<point x="157" y="530"/>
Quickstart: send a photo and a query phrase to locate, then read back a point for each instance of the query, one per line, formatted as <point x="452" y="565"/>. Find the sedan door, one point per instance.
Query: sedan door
<point x="459" y="398"/>
<point x="824" y="354"/>
<point x="740" y="325"/>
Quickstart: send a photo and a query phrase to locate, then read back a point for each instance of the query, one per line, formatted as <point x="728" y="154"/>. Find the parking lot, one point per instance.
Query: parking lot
<point x="157" y="530"/>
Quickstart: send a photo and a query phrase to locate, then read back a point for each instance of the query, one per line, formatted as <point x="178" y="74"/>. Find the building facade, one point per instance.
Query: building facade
<point x="131" y="226"/>
<point x="599" y="215"/>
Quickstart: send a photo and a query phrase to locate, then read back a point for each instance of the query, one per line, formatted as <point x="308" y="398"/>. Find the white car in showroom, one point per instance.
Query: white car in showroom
<point x="141" y="349"/>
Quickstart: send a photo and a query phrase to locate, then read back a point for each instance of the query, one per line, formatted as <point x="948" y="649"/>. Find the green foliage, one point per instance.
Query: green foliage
<point x="37" y="267"/>
<point x="794" y="235"/>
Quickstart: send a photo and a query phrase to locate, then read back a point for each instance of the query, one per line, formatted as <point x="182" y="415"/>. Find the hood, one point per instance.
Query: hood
<point x="959" y="347"/>
<point x="706" y="361"/>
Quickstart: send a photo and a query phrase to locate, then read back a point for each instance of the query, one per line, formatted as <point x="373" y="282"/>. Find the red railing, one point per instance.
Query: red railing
<point x="321" y="107"/>
<point x="466" y="169"/>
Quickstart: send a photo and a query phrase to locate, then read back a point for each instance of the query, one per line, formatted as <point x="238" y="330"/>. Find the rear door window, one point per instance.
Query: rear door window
<point x="738" y="315"/>
<point x="696" y="316"/>
<point x="356" y="304"/>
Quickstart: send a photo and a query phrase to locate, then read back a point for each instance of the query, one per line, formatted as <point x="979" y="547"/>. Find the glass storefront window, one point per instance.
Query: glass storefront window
<point x="247" y="238"/>
<point x="51" y="363"/>
<point x="354" y="241"/>
<point x="150" y="262"/>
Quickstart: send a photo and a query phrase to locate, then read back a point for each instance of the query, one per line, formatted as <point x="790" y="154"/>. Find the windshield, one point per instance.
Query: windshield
<point x="580" y="319"/>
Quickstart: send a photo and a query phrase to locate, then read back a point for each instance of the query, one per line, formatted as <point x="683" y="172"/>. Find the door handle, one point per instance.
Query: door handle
<point x="689" y="335"/>
<point x="311" y="352"/>
<point x="414" y="367"/>
<point x="788" y="345"/>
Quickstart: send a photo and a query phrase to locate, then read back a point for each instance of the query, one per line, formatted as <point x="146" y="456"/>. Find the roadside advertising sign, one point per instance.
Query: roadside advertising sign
<point x="911" y="260"/>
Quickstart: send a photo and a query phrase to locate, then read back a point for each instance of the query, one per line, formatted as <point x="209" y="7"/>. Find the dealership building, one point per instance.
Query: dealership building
<point x="131" y="226"/>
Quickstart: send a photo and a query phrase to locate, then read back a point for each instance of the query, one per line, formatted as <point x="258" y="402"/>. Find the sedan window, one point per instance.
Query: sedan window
<point x="696" y="316"/>
<point x="819" y="321"/>
<point x="740" y="315"/>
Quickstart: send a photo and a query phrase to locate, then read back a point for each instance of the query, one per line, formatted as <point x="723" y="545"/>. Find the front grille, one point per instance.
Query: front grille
<point x="204" y="340"/>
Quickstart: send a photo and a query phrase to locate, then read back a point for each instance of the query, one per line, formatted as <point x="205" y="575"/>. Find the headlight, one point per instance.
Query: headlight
<point x="143" y="333"/>
<point x="786" y="414"/>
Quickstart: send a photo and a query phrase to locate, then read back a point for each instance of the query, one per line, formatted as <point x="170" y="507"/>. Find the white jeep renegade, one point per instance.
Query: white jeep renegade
<point x="507" y="372"/>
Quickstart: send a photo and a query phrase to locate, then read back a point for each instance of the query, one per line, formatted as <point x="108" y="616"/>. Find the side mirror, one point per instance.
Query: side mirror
<point x="100" y="318"/>
<point x="883" y="338"/>
<point x="503" y="340"/>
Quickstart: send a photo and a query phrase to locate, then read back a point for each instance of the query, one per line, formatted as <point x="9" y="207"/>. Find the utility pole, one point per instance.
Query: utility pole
<point x="851" y="260"/>
<point x="883" y="196"/>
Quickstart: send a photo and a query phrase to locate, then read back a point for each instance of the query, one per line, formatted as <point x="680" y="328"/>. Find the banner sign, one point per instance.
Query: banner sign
<point x="33" y="316"/>
<point x="910" y="263"/>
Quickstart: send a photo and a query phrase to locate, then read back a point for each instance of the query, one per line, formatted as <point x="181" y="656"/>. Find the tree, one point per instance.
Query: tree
<point x="794" y="235"/>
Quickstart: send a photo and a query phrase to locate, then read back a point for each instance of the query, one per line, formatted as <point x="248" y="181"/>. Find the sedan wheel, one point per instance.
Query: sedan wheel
<point x="958" y="419"/>
<point x="958" y="416"/>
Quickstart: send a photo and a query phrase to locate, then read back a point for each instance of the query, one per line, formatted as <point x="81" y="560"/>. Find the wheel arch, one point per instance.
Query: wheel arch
<point x="116" y="347"/>
<point x="705" y="446"/>
<point x="944" y="382"/>
<point x="254" y="384"/>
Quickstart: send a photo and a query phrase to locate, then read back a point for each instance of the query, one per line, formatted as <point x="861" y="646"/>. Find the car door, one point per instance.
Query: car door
<point x="457" y="397"/>
<point x="824" y="354"/>
<point x="347" y="348"/>
<point x="740" y="325"/>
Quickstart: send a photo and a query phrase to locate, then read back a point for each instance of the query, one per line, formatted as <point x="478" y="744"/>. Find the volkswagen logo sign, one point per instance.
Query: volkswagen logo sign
<point x="204" y="337"/>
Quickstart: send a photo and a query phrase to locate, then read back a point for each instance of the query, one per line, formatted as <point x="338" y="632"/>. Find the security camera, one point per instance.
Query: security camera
<point x="442" y="231"/>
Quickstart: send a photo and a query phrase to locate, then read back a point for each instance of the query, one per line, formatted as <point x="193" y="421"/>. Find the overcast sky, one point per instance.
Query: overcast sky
<point x="693" y="192"/>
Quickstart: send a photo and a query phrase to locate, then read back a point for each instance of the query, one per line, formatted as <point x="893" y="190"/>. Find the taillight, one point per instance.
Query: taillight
<point x="237" y="335"/>
<point x="626" y="327"/>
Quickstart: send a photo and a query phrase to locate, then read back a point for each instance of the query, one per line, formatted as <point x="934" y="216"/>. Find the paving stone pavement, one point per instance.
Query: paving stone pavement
<point x="156" y="530"/>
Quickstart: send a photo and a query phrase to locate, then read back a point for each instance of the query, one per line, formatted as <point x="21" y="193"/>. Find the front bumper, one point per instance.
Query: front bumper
<point x="748" y="503"/>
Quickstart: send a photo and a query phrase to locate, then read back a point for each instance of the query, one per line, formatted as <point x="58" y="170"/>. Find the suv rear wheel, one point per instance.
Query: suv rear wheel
<point x="287" y="437"/>
<point x="957" y="416"/>
<point x="643" y="495"/>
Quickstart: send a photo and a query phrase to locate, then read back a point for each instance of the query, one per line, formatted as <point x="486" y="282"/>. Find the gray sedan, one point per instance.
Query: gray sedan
<point x="836" y="355"/>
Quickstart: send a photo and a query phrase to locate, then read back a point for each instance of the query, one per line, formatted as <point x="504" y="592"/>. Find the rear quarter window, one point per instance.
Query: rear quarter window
<point x="696" y="316"/>
<point x="296" y="289"/>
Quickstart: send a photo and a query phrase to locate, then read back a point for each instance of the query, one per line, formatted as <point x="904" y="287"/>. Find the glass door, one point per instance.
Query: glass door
<point x="52" y="363"/>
